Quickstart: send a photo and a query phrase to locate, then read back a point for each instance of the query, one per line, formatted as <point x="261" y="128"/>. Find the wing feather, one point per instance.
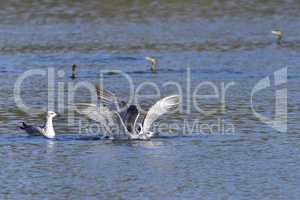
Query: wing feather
<point x="163" y="106"/>
<point x="109" y="120"/>
<point x="34" y="130"/>
<point x="106" y="96"/>
<point x="110" y="99"/>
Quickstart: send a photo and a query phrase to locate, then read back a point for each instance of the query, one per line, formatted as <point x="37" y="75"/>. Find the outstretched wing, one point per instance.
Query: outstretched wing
<point x="111" y="100"/>
<point x="106" y="96"/>
<point x="108" y="119"/>
<point x="99" y="114"/>
<point x="163" y="106"/>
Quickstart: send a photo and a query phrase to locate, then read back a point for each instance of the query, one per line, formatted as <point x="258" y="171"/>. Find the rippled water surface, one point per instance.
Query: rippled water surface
<point x="221" y="42"/>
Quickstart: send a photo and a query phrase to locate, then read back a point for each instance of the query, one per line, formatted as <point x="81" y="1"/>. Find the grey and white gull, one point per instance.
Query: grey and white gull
<point x="120" y="121"/>
<point x="46" y="130"/>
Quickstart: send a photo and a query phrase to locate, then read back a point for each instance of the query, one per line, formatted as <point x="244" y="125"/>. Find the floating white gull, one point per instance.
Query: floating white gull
<point x="47" y="130"/>
<point x="279" y="36"/>
<point x="152" y="63"/>
<point x="117" y="123"/>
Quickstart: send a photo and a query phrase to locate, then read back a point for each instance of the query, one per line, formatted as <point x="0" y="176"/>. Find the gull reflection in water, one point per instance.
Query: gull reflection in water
<point x="50" y="146"/>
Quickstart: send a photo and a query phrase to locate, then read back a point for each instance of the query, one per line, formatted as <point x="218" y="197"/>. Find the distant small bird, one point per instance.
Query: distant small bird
<point x="46" y="130"/>
<point x="279" y="36"/>
<point x="74" y="67"/>
<point x="152" y="63"/>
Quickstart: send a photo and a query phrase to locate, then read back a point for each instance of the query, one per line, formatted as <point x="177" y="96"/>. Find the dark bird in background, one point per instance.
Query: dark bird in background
<point x="74" y="67"/>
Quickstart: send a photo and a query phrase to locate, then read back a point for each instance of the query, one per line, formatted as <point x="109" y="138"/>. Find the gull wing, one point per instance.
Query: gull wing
<point x="163" y="106"/>
<point x="110" y="99"/>
<point x="32" y="130"/>
<point x="106" y="96"/>
<point x="109" y="120"/>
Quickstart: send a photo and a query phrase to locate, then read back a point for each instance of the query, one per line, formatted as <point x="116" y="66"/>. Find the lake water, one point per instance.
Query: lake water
<point x="225" y="43"/>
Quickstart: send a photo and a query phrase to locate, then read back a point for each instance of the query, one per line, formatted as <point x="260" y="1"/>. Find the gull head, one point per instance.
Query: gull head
<point x="142" y="134"/>
<point x="51" y="114"/>
<point x="139" y="128"/>
<point x="150" y="134"/>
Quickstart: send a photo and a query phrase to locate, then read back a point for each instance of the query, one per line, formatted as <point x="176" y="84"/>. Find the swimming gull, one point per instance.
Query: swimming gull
<point x="120" y="121"/>
<point x="46" y="130"/>
<point x="279" y="36"/>
<point x="152" y="63"/>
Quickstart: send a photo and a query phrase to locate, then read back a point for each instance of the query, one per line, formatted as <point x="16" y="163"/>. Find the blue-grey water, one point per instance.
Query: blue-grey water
<point x="219" y="42"/>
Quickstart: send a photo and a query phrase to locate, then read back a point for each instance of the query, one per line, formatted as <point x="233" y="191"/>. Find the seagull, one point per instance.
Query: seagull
<point x="279" y="36"/>
<point x="74" y="67"/>
<point x="119" y="120"/>
<point x="152" y="63"/>
<point x="47" y="130"/>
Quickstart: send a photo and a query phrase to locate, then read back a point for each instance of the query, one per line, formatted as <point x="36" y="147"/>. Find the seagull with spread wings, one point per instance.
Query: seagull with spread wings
<point x="119" y="120"/>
